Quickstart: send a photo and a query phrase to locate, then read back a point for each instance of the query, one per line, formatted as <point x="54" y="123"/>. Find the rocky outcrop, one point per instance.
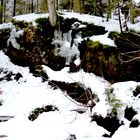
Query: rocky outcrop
<point x="115" y="64"/>
<point x="112" y="63"/>
<point x="103" y="60"/>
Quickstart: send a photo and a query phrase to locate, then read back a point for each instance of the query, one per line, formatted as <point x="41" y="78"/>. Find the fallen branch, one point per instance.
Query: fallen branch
<point x="130" y="52"/>
<point x="3" y="136"/>
<point x="130" y="60"/>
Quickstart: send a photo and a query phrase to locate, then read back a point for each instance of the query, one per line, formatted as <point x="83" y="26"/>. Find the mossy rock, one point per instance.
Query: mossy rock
<point x="21" y="23"/>
<point x="100" y="59"/>
<point x="34" y="57"/>
<point x="56" y="62"/>
<point x="92" y="29"/>
<point x="108" y="62"/>
<point x="44" y="27"/>
<point x="128" y="46"/>
<point x="126" y="42"/>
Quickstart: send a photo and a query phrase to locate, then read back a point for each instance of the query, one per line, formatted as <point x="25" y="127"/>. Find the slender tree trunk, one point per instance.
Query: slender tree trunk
<point x="37" y="6"/>
<point x="77" y="6"/>
<point x="131" y="11"/>
<point x="32" y="6"/>
<point x="109" y="10"/>
<point x="14" y="8"/>
<point x="52" y="12"/>
<point x="81" y="6"/>
<point x="71" y="5"/>
<point x="120" y="18"/>
<point x="1" y="12"/>
<point x="4" y="12"/>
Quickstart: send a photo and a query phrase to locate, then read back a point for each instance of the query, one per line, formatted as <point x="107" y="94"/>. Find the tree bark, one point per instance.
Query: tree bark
<point x="131" y="11"/>
<point x="120" y="23"/>
<point x="52" y="12"/>
<point x="37" y="6"/>
<point x="32" y="6"/>
<point x="1" y="12"/>
<point x="77" y="6"/>
<point x="14" y="8"/>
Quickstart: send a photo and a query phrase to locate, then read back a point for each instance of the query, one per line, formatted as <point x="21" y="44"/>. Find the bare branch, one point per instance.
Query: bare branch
<point x="130" y="52"/>
<point x="130" y="60"/>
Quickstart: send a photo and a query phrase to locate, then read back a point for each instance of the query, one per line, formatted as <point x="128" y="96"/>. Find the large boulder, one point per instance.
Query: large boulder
<point x="103" y="60"/>
<point x="109" y="62"/>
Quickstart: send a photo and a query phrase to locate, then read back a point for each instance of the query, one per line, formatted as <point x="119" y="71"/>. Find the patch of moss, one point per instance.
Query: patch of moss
<point x="21" y="24"/>
<point x="92" y="29"/>
<point x="103" y="60"/>
<point x="92" y="44"/>
<point x="127" y="41"/>
<point x="112" y="101"/>
<point x="96" y="46"/>
<point x="44" y="27"/>
<point x="114" y="35"/>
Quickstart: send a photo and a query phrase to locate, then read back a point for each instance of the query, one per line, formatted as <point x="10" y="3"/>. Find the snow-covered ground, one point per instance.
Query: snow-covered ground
<point x="20" y="98"/>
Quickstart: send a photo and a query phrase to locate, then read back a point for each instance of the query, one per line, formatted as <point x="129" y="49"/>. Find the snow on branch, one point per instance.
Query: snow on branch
<point x="12" y="39"/>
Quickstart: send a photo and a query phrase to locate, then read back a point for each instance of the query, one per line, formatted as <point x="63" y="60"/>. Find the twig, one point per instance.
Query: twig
<point x="136" y="58"/>
<point x="130" y="52"/>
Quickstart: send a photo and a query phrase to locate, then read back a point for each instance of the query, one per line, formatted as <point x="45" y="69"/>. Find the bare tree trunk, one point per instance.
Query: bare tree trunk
<point x="131" y="11"/>
<point x="14" y="8"/>
<point x="120" y="18"/>
<point x="77" y="6"/>
<point x="1" y="12"/>
<point x="71" y="5"/>
<point x="52" y="12"/>
<point x="81" y="6"/>
<point x="108" y="10"/>
<point x="32" y="6"/>
<point x="37" y="6"/>
<point x="4" y="12"/>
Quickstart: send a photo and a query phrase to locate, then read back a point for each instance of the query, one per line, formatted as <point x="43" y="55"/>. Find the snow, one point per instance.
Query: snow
<point x="30" y="17"/>
<point x="6" y="25"/>
<point x="137" y="1"/>
<point x="103" y="39"/>
<point x="21" y="97"/>
<point x="12" y="39"/>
